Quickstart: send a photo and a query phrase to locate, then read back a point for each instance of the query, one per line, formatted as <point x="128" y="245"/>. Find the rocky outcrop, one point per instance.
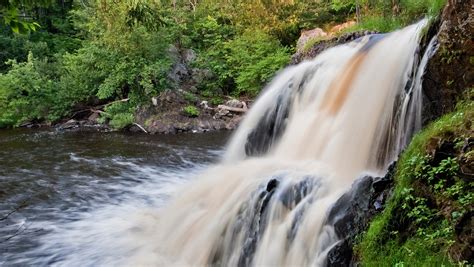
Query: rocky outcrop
<point x="319" y="47"/>
<point x="309" y="35"/>
<point x="352" y="213"/>
<point x="166" y="115"/>
<point x="449" y="74"/>
<point x="450" y="71"/>
<point x="166" y="112"/>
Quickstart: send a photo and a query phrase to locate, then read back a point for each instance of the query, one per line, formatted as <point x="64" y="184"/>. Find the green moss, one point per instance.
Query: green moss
<point x="312" y="42"/>
<point x="191" y="111"/>
<point x="417" y="225"/>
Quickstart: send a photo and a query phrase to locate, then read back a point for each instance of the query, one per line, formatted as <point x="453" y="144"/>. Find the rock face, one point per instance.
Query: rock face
<point x="165" y="112"/>
<point x="449" y="74"/>
<point x="165" y="115"/>
<point x="325" y="44"/>
<point x="308" y="35"/>
<point x="450" y="71"/>
<point x="352" y="213"/>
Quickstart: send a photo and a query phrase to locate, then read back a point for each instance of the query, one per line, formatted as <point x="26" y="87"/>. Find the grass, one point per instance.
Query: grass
<point x="412" y="231"/>
<point x="379" y="17"/>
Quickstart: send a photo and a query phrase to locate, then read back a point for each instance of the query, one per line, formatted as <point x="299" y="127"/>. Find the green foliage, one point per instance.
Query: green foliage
<point x="343" y="4"/>
<point x="119" y="114"/>
<point x="379" y="23"/>
<point x="216" y="100"/>
<point x="245" y="63"/>
<point x="417" y="226"/>
<point x="25" y="93"/>
<point x="191" y="111"/>
<point x="13" y="14"/>
<point x="386" y="16"/>
<point x="190" y="97"/>
<point x="253" y="60"/>
<point x="99" y="51"/>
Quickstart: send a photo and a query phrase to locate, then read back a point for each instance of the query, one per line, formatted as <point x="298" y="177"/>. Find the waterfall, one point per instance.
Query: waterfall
<point x="315" y="129"/>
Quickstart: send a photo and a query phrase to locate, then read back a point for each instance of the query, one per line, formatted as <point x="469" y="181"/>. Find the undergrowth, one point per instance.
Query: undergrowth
<point x="191" y="111"/>
<point x="432" y="196"/>
<point x="381" y="17"/>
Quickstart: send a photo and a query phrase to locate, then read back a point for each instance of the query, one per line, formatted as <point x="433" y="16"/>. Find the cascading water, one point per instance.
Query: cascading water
<point x="317" y="127"/>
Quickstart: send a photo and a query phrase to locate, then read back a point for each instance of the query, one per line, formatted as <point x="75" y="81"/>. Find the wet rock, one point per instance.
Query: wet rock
<point x="351" y="214"/>
<point x="233" y="123"/>
<point x="295" y="193"/>
<point x="70" y="124"/>
<point x="271" y="126"/>
<point x="449" y="72"/>
<point x="88" y="124"/>
<point x="319" y="47"/>
<point x="340" y="255"/>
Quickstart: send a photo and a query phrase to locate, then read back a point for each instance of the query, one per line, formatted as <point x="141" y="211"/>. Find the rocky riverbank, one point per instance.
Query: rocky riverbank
<point x="449" y="72"/>
<point x="449" y="79"/>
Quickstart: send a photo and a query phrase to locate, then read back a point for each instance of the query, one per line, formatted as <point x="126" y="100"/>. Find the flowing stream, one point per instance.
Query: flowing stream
<point x="315" y="129"/>
<point x="74" y="195"/>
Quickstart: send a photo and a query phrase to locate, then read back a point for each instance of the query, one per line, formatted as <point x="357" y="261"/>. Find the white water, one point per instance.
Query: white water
<point x="317" y="127"/>
<point x="342" y="118"/>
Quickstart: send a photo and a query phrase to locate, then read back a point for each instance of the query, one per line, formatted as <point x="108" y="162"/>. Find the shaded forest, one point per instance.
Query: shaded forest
<point x="61" y="57"/>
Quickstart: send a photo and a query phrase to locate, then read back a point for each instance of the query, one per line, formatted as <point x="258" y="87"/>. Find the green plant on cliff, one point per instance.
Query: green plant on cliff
<point x="432" y="195"/>
<point x="191" y="111"/>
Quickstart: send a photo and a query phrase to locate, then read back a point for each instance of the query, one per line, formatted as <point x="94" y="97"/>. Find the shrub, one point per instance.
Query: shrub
<point x="253" y="59"/>
<point x="25" y="93"/>
<point x="191" y="111"/>
<point x="119" y="114"/>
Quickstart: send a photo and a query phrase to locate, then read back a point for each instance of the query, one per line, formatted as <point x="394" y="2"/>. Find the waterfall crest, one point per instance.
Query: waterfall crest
<point x="317" y="127"/>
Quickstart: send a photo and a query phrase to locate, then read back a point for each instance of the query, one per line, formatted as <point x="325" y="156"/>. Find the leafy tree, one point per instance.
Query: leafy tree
<point x="16" y="14"/>
<point x="24" y="93"/>
<point x="254" y="59"/>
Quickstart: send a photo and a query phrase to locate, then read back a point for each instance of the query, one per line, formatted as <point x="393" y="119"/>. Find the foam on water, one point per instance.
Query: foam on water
<point x="317" y="127"/>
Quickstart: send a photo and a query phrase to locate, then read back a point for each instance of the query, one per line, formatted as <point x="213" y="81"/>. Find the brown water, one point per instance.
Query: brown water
<point x="99" y="199"/>
<point x="53" y="182"/>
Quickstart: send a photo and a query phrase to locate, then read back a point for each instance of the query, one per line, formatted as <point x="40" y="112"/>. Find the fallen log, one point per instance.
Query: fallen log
<point x="240" y="110"/>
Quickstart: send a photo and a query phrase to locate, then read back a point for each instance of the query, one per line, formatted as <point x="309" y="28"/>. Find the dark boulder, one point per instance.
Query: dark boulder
<point x="352" y="213"/>
<point x="449" y="72"/>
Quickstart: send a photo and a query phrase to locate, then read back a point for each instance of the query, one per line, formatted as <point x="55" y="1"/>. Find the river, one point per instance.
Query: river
<point x="67" y="197"/>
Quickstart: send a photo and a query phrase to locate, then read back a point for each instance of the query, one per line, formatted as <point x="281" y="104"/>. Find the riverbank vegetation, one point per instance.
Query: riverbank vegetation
<point x="427" y="221"/>
<point x="63" y="58"/>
